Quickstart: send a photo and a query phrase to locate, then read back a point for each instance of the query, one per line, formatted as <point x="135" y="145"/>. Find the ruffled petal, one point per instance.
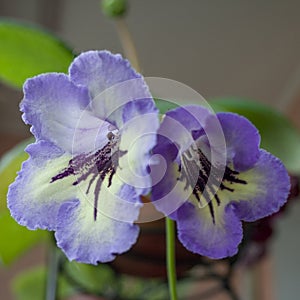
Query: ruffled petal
<point x="100" y="70"/>
<point x="266" y="190"/>
<point x="200" y="235"/>
<point x="58" y="112"/>
<point x="242" y="140"/>
<point x="34" y="201"/>
<point x="112" y="84"/>
<point x="88" y="240"/>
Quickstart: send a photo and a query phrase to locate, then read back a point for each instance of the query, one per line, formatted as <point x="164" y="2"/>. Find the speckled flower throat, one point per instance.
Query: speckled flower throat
<point x="198" y="172"/>
<point x="95" y="166"/>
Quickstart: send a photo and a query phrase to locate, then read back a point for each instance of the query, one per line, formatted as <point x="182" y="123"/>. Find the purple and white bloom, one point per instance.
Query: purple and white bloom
<point x="94" y="130"/>
<point x="215" y="178"/>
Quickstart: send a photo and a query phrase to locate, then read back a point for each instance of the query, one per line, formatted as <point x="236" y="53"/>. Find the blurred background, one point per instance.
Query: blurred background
<point x="248" y="49"/>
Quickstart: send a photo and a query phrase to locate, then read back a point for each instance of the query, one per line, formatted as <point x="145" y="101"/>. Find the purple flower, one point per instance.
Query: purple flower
<point x="215" y="176"/>
<point x="94" y="129"/>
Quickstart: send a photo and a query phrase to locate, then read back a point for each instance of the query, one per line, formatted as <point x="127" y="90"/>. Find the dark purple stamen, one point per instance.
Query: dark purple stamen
<point x="197" y="176"/>
<point x="99" y="165"/>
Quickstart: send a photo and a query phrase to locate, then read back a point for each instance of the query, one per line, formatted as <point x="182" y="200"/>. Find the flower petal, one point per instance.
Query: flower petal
<point x="215" y="230"/>
<point x="100" y="70"/>
<point x="123" y="101"/>
<point x="168" y="193"/>
<point x="216" y="196"/>
<point x="267" y="189"/>
<point x="112" y="84"/>
<point x="34" y="201"/>
<point x="138" y="137"/>
<point x="179" y="124"/>
<point x="85" y="124"/>
<point x="242" y="140"/>
<point x="199" y="234"/>
<point x="181" y="130"/>
<point x="87" y="240"/>
<point x="58" y="112"/>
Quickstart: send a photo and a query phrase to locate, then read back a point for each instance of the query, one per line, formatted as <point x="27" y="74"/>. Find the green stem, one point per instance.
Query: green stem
<point x="127" y="43"/>
<point x="171" y="259"/>
<point x="53" y="268"/>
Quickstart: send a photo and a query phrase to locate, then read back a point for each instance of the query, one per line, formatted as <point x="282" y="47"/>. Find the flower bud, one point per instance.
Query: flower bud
<point x="114" y="8"/>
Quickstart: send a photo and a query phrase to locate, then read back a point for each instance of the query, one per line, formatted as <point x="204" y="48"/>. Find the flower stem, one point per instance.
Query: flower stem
<point x="127" y="43"/>
<point x="53" y="268"/>
<point x="171" y="260"/>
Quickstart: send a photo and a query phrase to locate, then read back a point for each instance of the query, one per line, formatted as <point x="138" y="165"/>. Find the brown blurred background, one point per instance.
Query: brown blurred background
<point x="220" y="48"/>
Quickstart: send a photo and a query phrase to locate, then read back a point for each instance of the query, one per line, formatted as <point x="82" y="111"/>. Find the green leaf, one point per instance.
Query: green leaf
<point x="278" y="135"/>
<point x="15" y="239"/>
<point x="31" y="285"/>
<point x="93" y="279"/>
<point x="144" y="289"/>
<point x="10" y="164"/>
<point x="102" y="280"/>
<point x="27" y="50"/>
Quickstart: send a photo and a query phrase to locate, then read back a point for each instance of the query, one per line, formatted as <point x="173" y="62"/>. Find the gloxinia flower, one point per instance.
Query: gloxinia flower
<point x="215" y="177"/>
<point x="94" y="129"/>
